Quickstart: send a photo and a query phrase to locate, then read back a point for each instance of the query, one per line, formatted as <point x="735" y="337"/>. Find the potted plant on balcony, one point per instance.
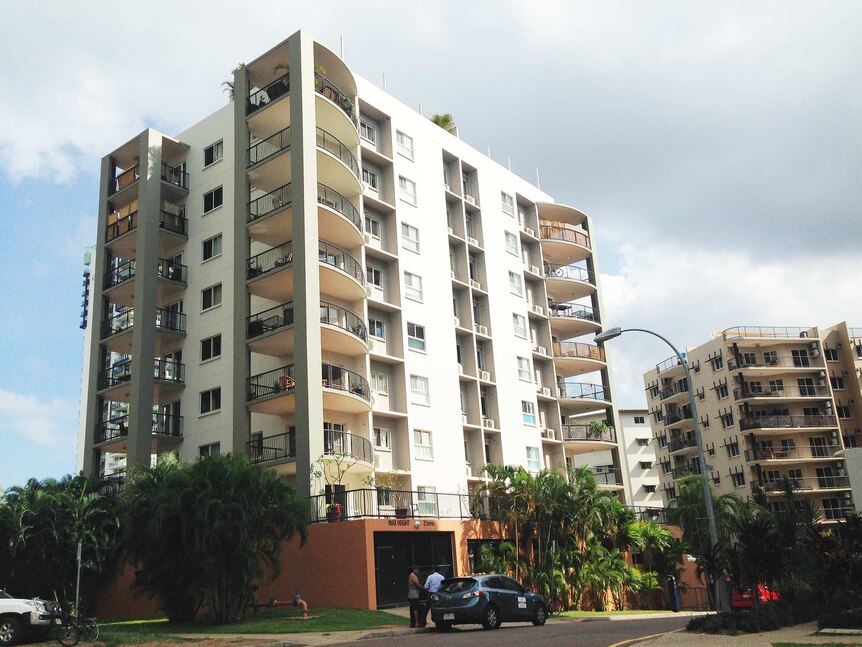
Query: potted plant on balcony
<point x="596" y="429"/>
<point x="333" y="512"/>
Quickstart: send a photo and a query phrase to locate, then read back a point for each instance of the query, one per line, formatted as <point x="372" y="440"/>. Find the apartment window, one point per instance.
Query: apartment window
<point x="832" y="509"/>
<point x="210" y="348"/>
<point x="211" y="400"/>
<point x="508" y="204"/>
<point x="374" y="276"/>
<point x="380" y="382"/>
<point x="213" y="199"/>
<point x="722" y="391"/>
<point x="211" y="297"/>
<point x="646" y="465"/>
<point x="528" y="412"/>
<point x="426" y="496"/>
<point x="662" y="441"/>
<point x="213" y="449"/>
<point x="770" y="357"/>
<point x="404" y="144"/>
<point x="413" y="286"/>
<point x="372" y="227"/>
<point x="516" y="285"/>
<point x="419" y="393"/>
<point x="213" y="153"/>
<point x="370" y="178"/>
<point x="409" y="237"/>
<point x="524" y="369"/>
<point x="519" y="323"/>
<point x="726" y="420"/>
<point x="376" y="328"/>
<point x="408" y="190"/>
<point x="511" y="243"/>
<point x="738" y="479"/>
<point x="831" y="354"/>
<point x="850" y="441"/>
<point x="642" y="442"/>
<point x="416" y="337"/>
<point x="422" y="443"/>
<point x="837" y="383"/>
<point x="732" y="449"/>
<point x="368" y="132"/>
<point x="717" y="363"/>
<point x="534" y="464"/>
<point x="640" y="420"/>
<point x="843" y="411"/>
<point x="649" y="489"/>
<point x="382" y="438"/>
<point x="212" y="247"/>
<point x="666" y="468"/>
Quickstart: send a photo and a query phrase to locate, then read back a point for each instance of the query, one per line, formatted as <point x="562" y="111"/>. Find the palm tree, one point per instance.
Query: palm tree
<point x="445" y="121"/>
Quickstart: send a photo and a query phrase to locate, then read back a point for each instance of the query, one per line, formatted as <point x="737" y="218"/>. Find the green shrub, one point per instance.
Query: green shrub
<point x="850" y="619"/>
<point x="768" y="618"/>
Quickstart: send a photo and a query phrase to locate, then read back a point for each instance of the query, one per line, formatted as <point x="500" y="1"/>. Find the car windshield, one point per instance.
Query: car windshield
<point x="457" y="585"/>
<point x="3" y="594"/>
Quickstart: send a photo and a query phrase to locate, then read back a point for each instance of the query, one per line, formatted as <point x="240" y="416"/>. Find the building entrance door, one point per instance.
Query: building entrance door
<point x="395" y="553"/>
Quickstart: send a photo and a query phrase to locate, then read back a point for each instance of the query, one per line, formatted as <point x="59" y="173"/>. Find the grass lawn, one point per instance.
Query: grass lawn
<point x="592" y="614"/>
<point x="267" y="621"/>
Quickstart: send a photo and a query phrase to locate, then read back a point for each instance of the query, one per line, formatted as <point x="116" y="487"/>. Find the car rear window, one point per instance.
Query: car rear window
<point x="457" y="585"/>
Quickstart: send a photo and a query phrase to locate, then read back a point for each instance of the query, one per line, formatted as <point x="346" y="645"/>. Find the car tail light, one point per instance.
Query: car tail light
<point x="472" y="594"/>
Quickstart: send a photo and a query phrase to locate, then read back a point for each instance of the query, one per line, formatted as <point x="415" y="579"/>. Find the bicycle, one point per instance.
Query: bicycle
<point x="72" y="629"/>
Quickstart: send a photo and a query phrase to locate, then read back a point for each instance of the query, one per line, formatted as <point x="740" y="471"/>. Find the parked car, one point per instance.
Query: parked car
<point x="21" y="618"/>
<point x="488" y="600"/>
<point x="745" y="599"/>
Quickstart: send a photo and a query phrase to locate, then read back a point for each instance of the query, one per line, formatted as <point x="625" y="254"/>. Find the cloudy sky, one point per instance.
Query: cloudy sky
<point x="716" y="145"/>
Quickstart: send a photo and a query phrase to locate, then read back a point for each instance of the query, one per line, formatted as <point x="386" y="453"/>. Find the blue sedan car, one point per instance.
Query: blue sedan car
<point x="488" y="600"/>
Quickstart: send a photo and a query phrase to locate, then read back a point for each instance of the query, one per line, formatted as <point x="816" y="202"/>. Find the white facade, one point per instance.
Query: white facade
<point x="640" y="459"/>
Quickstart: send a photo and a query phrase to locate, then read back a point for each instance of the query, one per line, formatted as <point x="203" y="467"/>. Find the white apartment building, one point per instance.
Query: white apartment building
<point x="315" y="271"/>
<point x="640" y="459"/>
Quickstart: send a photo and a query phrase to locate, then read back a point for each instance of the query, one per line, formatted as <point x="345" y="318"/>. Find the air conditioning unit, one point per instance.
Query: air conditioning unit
<point x="482" y="330"/>
<point x="452" y="273"/>
<point x="530" y="232"/>
<point x="841" y="472"/>
<point x="545" y="391"/>
<point x="369" y="291"/>
<point x="470" y="199"/>
<point x="539" y="310"/>
<point x="535" y="270"/>
<point x="475" y="284"/>
<point x="489" y="423"/>
<point x="472" y="241"/>
<point x="457" y="322"/>
<point x="814" y="352"/>
<point x="549" y="433"/>
<point x="834" y="434"/>
<point x="485" y="375"/>
<point x="464" y="418"/>
<point x="541" y="350"/>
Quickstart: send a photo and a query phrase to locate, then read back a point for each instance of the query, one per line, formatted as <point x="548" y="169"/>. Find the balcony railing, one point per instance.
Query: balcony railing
<point x="124" y="179"/>
<point x="164" y="370"/>
<point x="169" y="370"/>
<point x="271" y="448"/>
<point x="402" y="504"/>
<point x="120" y="273"/>
<point x="669" y="363"/>
<point x="575" y="433"/>
<point x="608" y="477"/>
<point x="343" y="379"/>
<point x="787" y="422"/>
<point x="336" y="257"/>
<point x="685" y="470"/>
<point x="573" y="311"/>
<point x="676" y="416"/>
<point x="328" y="89"/>
<point x="674" y="389"/>
<point x="175" y="222"/>
<point x="790" y="391"/>
<point x="118" y="323"/>
<point x="266" y="204"/>
<point x="175" y="175"/>
<point x="173" y="271"/>
<point x="334" y="200"/>
<point x="659" y="515"/>
<point x="339" y="317"/>
<point x="791" y="453"/>
<point x="271" y="259"/>
<point x="270" y="319"/>
<point x="570" y="272"/>
<point x="582" y="391"/>
<point x="678" y="444"/>
<point x="578" y="349"/>
<point x="764" y="332"/>
<point x="170" y="320"/>
<point x="280" y="380"/>
<point x="567" y="234"/>
<point x="789" y="361"/>
<point x="809" y="483"/>
<point x="121" y="226"/>
<point x="116" y="374"/>
<point x="260" y="98"/>
<point x="332" y="144"/>
<point x="268" y="147"/>
<point x="162" y="425"/>
<point x="341" y="443"/>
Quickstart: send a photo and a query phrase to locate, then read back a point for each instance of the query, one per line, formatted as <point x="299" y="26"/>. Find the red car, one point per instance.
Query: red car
<point x="745" y="599"/>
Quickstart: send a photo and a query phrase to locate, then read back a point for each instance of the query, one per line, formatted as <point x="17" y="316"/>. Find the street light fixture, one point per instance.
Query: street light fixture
<point x="611" y="333"/>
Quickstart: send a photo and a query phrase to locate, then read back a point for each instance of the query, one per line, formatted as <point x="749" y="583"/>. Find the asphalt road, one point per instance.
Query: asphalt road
<point x="600" y="633"/>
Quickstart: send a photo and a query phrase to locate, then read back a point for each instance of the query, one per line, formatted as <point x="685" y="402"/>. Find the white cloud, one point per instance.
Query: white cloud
<point x="44" y="422"/>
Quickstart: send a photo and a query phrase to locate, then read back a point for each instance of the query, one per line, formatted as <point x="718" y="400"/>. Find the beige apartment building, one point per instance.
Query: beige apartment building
<point x="774" y="403"/>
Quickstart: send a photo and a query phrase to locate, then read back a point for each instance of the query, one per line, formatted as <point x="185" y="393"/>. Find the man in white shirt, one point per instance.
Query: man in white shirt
<point x="432" y="585"/>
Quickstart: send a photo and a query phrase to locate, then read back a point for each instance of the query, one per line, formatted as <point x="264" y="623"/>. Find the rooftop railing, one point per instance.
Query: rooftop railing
<point x="570" y="272"/>
<point x="124" y="179"/>
<point x="266" y="204"/>
<point x="332" y="144"/>
<point x="669" y="363"/>
<point x="258" y="99"/>
<point x="334" y="200"/>
<point x="567" y="234"/>
<point x="787" y="422"/>
<point x="764" y="332"/>
<point x="575" y="433"/>
<point x="268" y="147"/>
<point x="582" y="391"/>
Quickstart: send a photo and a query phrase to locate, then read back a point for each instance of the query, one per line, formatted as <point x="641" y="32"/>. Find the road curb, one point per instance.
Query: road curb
<point x="391" y="633"/>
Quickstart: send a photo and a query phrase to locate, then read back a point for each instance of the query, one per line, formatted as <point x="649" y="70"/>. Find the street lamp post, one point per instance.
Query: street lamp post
<point x="611" y="333"/>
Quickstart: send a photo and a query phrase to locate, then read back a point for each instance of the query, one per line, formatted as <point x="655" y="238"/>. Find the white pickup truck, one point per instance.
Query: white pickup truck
<point x="20" y="618"/>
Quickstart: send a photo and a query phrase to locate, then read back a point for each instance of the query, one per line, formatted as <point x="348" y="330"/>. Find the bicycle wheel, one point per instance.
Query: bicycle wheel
<point x="89" y="629"/>
<point x="67" y="635"/>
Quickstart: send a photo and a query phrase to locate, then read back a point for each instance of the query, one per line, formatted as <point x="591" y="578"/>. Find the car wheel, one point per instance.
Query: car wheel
<point x="10" y="630"/>
<point x="541" y="615"/>
<point x="443" y="626"/>
<point x="492" y="618"/>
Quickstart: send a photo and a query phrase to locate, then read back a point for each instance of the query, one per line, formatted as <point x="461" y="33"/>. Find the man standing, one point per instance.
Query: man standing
<point x="414" y="597"/>
<point x="432" y="585"/>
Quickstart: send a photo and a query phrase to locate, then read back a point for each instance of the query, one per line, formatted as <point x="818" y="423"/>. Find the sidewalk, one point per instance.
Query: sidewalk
<point x="798" y="634"/>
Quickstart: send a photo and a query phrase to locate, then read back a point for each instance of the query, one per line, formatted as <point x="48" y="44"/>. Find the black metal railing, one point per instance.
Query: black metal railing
<point x="120" y="273"/>
<point x="570" y="272"/>
<point x="170" y="320"/>
<point x="339" y="317"/>
<point x="275" y="382"/>
<point x="328" y="89"/>
<point x="270" y="319"/>
<point x="787" y="422"/>
<point x="399" y="504"/>
<point x="677" y="415"/>
<point x="162" y="425"/>
<point x="576" y="349"/>
<point x="334" y="200"/>
<point x="342" y="443"/>
<point x="573" y="311"/>
<point x="674" y="389"/>
<point x="173" y="271"/>
<point x="764" y="332"/>
<point x="121" y="226"/>
<point x="260" y="98"/>
<point x="124" y="179"/>
<point x="685" y="470"/>
<point x="272" y="201"/>
<point x="118" y="323"/>
<point x="750" y="360"/>
<point x="791" y="453"/>
<point x="678" y="444"/>
<point x="271" y="448"/>
<point x="115" y="374"/>
<point x="268" y="147"/>
<point x="608" y="477"/>
<point x="175" y="175"/>
<point x="272" y="259"/>
<point x="567" y="234"/>
<point x="582" y="391"/>
<point x="789" y="391"/>
<point x="343" y="379"/>
<point x="669" y="363"/>
<point x="576" y="433"/>
<point x="169" y="370"/>
<point x="332" y="144"/>
<point x="175" y="222"/>
<point x="336" y="257"/>
<point x="659" y="515"/>
<point x="827" y="482"/>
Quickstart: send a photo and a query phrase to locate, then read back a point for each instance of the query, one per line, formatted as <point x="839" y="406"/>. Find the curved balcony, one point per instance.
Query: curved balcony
<point x="564" y="245"/>
<point x="568" y="282"/>
<point x="337" y="164"/>
<point x="272" y="392"/>
<point x="270" y="273"/>
<point x="112" y="435"/>
<point x="268" y="162"/>
<point x="573" y="319"/>
<point x="274" y="451"/>
<point x="580" y="397"/>
<point x="341" y="275"/>
<point x="335" y="111"/>
<point x="575" y="358"/>
<point x="270" y="332"/>
<point x="268" y="108"/>
<point x="780" y="423"/>
<point x="116" y="331"/>
<point x="338" y="217"/>
<point x="345" y="390"/>
<point x="581" y="439"/>
<point x="557" y="213"/>
<point x="269" y="218"/>
<point x="341" y="443"/>
<point x="342" y="331"/>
